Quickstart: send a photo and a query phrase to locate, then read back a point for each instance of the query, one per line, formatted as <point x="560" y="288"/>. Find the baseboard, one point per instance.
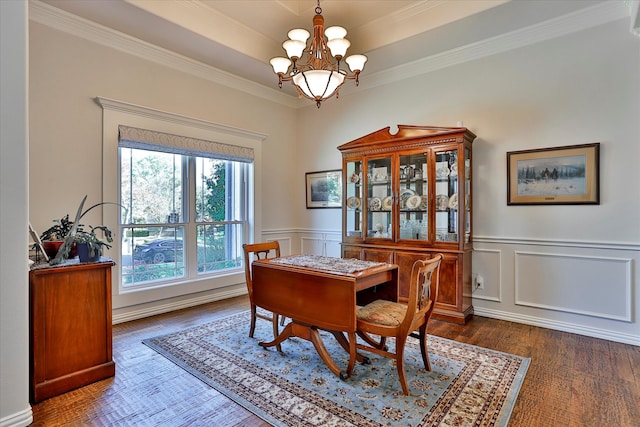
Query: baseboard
<point x="559" y="326"/>
<point x="19" y="419"/>
<point x="176" y="305"/>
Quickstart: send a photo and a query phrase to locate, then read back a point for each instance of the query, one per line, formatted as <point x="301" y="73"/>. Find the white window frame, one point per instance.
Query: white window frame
<point x="117" y="113"/>
<point x="189" y="221"/>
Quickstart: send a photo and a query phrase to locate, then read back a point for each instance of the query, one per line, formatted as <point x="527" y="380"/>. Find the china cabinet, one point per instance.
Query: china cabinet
<point x="407" y="196"/>
<point x="70" y="327"/>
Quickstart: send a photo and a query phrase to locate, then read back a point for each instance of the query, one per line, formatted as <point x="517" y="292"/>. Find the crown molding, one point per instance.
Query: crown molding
<point x="58" y="19"/>
<point x="599" y="14"/>
<point x="581" y="20"/>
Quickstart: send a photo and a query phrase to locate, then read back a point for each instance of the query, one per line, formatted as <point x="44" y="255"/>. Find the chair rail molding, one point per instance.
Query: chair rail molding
<point x="308" y="241"/>
<point x="624" y="246"/>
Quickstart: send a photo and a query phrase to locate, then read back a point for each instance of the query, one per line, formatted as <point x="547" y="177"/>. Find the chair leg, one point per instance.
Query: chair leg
<point x="423" y="347"/>
<point x="252" y="328"/>
<point x="381" y="345"/>
<point x="276" y="332"/>
<point x="400" y="343"/>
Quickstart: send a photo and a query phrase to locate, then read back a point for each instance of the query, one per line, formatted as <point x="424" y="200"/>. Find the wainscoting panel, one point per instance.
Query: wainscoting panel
<point x="486" y="268"/>
<point x="324" y="244"/>
<point x="588" y="285"/>
<point x="285" y="244"/>
<point x="312" y="245"/>
<point x="334" y="247"/>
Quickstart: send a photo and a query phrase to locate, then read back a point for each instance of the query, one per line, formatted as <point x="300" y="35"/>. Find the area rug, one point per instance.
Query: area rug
<point x="468" y="385"/>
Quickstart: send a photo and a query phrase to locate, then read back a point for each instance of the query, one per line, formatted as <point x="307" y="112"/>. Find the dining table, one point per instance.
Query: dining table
<point x="322" y="293"/>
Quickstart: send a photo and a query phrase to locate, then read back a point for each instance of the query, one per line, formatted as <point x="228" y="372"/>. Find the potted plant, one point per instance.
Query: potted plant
<point x="77" y="235"/>
<point x="53" y="237"/>
<point x="90" y="245"/>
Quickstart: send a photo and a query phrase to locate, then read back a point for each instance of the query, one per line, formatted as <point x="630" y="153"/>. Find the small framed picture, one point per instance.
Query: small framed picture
<point x="37" y="242"/>
<point x="566" y="175"/>
<point x="324" y="189"/>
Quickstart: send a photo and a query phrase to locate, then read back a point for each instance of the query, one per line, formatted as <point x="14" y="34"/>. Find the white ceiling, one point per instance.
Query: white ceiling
<point x="240" y="36"/>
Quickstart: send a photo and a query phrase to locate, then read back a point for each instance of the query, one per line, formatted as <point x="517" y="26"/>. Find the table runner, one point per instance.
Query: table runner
<point x="339" y="265"/>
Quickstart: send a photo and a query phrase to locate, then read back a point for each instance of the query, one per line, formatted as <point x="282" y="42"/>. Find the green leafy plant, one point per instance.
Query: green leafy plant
<point x="77" y="234"/>
<point x="58" y="231"/>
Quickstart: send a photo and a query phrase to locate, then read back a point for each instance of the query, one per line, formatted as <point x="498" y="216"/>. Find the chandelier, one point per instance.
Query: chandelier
<point x="318" y="78"/>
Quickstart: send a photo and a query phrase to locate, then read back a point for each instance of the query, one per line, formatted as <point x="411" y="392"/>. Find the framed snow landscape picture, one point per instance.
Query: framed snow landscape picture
<point x="554" y="176"/>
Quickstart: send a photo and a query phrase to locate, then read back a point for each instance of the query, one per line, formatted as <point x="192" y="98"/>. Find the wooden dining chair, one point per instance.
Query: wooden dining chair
<point x="252" y="252"/>
<point x="391" y="319"/>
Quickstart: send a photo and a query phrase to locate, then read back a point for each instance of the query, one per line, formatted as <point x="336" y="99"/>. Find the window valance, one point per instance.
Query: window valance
<point x="131" y="137"/>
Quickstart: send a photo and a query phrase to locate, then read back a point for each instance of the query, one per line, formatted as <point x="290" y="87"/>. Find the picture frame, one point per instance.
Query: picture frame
<point x="37" y="242"/>
<point x="566" y="175"/>
<point x="324" y="189"/>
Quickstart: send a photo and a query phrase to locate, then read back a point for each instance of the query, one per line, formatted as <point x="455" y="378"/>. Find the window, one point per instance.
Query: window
<point x="185" y="214"/>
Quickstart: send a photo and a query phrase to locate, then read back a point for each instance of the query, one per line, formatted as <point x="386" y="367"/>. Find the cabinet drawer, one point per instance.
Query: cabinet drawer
<point x="377" y="255"/>
<point x="351" y="252"/>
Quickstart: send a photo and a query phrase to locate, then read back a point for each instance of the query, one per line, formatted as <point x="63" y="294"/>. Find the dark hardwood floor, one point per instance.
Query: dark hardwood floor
<point x="572" y="380"/>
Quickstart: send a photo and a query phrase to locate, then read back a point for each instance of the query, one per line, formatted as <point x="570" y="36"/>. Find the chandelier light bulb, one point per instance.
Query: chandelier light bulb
<point x="294" y="48"/>
<point x="338" y="47"/>
<point x="335" y="32"/>
<point x="356" y="62"/>
<point x="299" y="34"/>
<point x="280" y="65"/>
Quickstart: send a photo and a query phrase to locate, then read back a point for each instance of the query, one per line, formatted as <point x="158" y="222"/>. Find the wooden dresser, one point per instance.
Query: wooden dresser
<point x="70" y="327"/>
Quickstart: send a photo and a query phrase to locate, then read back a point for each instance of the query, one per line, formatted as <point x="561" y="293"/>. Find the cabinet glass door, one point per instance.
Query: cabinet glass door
<point x="467" y="192"/>
<point x="354" y="199"/>
<point x="379" y="202"/>
<point x="413" y="197"/>
<point x="446" y="192"/>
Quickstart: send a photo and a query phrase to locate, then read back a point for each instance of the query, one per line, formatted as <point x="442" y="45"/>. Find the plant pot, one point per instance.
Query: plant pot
<point x="83" y="253"/>
<point x="51" y="248"/>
